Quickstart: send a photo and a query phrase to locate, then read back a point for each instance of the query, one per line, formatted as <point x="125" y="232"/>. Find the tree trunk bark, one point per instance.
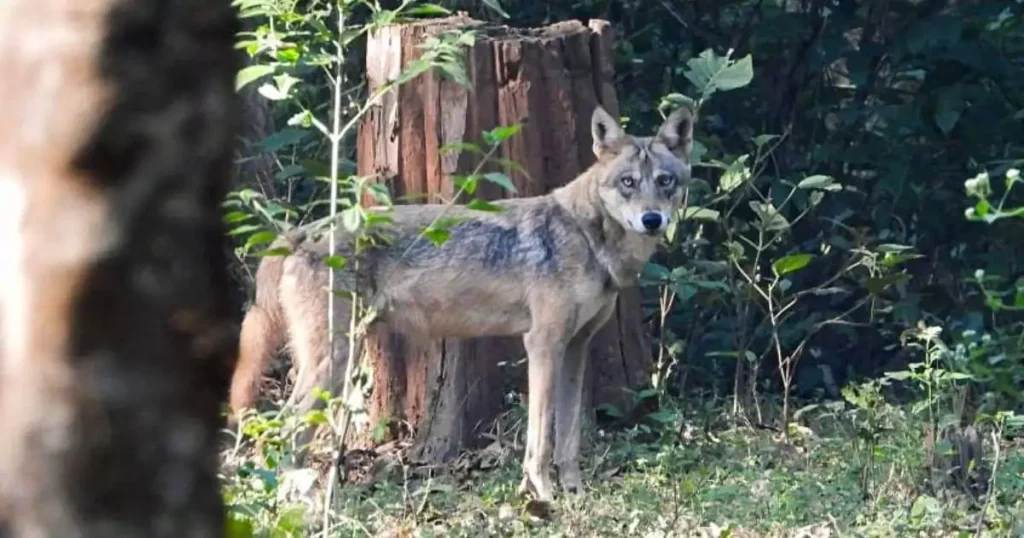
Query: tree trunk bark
<point x="550" y="79"/>
<point x="118" y="342"/>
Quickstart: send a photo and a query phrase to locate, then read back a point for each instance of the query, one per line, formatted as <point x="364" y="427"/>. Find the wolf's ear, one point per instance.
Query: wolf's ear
<point x="677" y="130"/>
<point x="605" y="130"/>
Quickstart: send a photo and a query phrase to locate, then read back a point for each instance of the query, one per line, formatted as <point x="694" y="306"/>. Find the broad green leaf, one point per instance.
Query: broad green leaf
<point x="924" y="506"/>
<point x="282" y="139"/>
<point x="468" y="183"/>
<point x="819" y="181"/>
<point x="501" y="180"/>
<point x="251" y="73"/>
<point x="259" y="238"/>
<point x="736" y="75"/>
<point x="271" y="92"/>
<point x="245" y="228"/>
<point x="235" y="217"/>
<point x="436" y="236"/>
<point x="771" y="219"/>
<point x="698" y="152"/>
<point x="791" y="263"/>
<point x="238" y="525"/>
<point x="351" y="218"/>
<point x="948" y="108"/>
<point x="700" y="213"/>
<point x="761" y="140"/>
<point x="735" y="175"/>
<point x="710" y="72"/>
<point x="501" y="133"/>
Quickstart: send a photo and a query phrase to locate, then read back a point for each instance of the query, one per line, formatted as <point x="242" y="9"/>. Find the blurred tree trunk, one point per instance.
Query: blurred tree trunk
<point x="118" y="342"/>
<point x="550" y="79"/>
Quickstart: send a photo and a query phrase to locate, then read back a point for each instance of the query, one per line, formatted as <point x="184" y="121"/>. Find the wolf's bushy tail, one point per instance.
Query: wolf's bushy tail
<point x="263" y="328"/>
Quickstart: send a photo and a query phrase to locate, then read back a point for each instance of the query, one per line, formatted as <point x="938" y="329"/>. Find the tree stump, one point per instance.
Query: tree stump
<point x="549" y="79"/>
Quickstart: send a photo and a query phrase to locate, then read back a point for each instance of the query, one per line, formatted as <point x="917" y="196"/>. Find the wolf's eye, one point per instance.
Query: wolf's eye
<point x="628" y="181"/>
<point x="665" y="180"/>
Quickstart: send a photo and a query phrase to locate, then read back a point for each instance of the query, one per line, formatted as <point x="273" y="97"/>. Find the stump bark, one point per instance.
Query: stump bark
<point x="549" y="79"/>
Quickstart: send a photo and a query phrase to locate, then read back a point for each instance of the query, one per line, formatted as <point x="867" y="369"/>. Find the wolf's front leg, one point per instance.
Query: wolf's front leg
<point x="545" y="348"/>
<point x="569" y="402"/>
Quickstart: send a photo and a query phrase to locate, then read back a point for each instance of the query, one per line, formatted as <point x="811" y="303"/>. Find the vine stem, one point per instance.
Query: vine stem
<point x="336" y="140"/>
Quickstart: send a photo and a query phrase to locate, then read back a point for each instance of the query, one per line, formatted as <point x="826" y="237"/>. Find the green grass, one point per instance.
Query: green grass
<point x="720" y="480"/>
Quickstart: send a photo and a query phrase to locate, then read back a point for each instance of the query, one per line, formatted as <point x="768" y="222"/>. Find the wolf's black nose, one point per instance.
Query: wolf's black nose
<point x="651" y="220"/>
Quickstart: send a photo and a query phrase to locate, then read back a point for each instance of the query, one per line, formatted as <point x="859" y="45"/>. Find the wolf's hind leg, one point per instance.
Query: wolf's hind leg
<point x="304" y="301"/>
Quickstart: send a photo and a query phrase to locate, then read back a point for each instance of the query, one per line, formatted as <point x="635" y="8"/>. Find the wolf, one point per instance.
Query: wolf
<point x="547" y="267"/>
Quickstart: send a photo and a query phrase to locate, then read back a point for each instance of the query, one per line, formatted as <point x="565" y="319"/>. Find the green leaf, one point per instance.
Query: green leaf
<point x="259" y="238"/>
<point x="427" y="10"/>
<point x="460" y="146"/>
<point x="736" y="75"/>
<point x="761" y="140"/>
<point x="982" y="207"/>
<point x="282" y="139"/>
<point x="948" y="108"/>
<point x="351" y="218"/>
<point x="735" y="175"/>
<point x="315" y="418"/>
<point x="664" y="416"/>
<point x="819" y="181"/>
<point x="276" y="251"/>
<point x="771" y="219"/>
<point x="710" y="72"/>
<point x="502" y="133"/>
<point x="235" y="217"/>
<point x="494" y="5"/>
<point x="467" y="183"/>
<point x="675" y="100"/>
<point x="251" y="73"/>
<point x="791" y="263"/>
<point x="436" y="236"/>
<point x="610" y="410"/>
<point x="924" y="506"/>
<point x="336" y="262"/>
<point x="892" y="247"/>
<point x="700" y="213"/>
<point x="484" y="205"/>
<point x="237" y="525"/>
<point x="500" y="179"/>
<point x="246" y="228"/>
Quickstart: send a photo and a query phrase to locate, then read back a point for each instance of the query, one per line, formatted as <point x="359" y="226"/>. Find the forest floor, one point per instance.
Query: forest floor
<point x="698" y="474"/>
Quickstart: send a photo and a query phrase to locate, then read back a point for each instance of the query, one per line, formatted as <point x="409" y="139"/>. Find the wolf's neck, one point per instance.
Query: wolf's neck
<point x="621" y="253"/>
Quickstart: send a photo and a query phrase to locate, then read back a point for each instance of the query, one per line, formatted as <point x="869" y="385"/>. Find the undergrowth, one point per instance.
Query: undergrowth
<point x="697" y="474"/>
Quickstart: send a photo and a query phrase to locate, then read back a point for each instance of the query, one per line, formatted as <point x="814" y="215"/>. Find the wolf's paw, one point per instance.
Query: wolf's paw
<point x="570" y="479"/>
<point x="538" y="482"/>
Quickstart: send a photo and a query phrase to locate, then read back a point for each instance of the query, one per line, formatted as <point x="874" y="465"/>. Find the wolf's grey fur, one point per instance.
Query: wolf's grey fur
<point x="548" y="267"/>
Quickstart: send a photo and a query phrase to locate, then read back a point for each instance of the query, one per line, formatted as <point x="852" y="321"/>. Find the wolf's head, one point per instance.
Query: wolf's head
<point x="641" y="179"/>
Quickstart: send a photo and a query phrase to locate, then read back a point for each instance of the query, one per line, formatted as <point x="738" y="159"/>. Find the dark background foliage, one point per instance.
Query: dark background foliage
<point x="899" y="101"/>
